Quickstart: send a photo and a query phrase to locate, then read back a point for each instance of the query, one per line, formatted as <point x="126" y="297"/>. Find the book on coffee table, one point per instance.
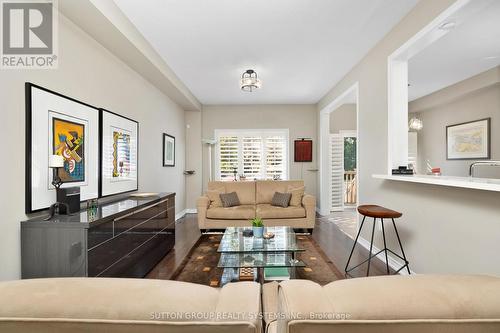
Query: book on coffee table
<point x="276" y="274"/>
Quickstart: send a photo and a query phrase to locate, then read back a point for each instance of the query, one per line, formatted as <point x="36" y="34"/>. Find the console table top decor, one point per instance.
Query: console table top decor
<point x="124" y="238"/>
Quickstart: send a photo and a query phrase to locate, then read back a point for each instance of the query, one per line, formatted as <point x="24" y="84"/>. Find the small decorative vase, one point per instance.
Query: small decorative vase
<point x="258" y="232"/>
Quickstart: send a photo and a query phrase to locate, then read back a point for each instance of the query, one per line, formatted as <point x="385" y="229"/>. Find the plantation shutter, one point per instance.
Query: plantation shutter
<point x="228" y="154"/>
<point x="257" y="154"/>
<point x="275" y="149"/>
<point x="337" y="173"/>
<point x="252" y="157"/>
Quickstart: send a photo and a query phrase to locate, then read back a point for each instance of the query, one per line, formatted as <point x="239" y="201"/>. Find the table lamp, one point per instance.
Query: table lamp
<point x="56" y="162"/>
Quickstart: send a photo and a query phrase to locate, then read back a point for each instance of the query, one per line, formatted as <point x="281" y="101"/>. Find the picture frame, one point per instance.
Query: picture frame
<point x="469" y="140"/>
<point x="58" y="124"/>
<point x="168" y="150"/>
<point x="119" y="154"/>
<point x="303" y="150"/>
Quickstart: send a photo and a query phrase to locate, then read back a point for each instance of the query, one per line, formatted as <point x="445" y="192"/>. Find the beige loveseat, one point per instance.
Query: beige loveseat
<point x="255" y="198"/>
<point x="127" y="305"/>
<point x="385" y="304"/>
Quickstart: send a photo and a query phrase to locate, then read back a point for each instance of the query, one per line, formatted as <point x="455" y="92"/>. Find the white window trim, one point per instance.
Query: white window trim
<point x="257" y="132"/>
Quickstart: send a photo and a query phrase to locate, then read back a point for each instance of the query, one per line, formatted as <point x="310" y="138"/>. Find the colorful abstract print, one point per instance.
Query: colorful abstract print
<point x="68" y="142"/>
<point x="121" y="154"/>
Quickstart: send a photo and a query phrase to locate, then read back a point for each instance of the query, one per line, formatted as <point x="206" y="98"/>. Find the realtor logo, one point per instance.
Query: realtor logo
<point x="29" y="34"/>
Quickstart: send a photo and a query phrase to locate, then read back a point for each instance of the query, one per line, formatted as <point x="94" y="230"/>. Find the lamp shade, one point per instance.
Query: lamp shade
<point x="56" y="161"/>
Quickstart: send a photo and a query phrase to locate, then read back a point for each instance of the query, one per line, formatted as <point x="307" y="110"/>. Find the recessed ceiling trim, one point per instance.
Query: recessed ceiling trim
<point x="105" y="22"/>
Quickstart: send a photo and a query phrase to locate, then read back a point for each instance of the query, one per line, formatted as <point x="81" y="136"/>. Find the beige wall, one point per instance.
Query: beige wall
<point x="343" y="118"/>
<point x="443" y="229"/>
<point x="438" y="111"/>
<point x="90" y="73"/>
<point x="299" y="119"/>
<point x="193" y="158"/>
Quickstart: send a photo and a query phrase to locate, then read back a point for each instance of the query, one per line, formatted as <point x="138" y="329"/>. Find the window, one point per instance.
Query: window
<point x="256" y="154"/>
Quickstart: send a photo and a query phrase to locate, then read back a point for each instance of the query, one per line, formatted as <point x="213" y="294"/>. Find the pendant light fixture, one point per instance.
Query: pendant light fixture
<point x="415" y="124"/>
<point x="249" y="81"/>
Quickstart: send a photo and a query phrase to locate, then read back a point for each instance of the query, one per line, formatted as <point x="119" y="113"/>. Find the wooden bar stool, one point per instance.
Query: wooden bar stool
<point x="378" y="212"/>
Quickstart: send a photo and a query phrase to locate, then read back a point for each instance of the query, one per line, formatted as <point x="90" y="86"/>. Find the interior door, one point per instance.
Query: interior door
<point x="337" y="172"/>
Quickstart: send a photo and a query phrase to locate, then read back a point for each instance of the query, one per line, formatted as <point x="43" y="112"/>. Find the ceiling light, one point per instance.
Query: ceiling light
<point x="447" y="25"/>
<point x="249" y="81"/>
<point x="415" y="124"/>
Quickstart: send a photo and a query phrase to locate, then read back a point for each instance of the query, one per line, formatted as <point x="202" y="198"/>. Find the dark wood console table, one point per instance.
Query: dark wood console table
<point x="125" y="238"/>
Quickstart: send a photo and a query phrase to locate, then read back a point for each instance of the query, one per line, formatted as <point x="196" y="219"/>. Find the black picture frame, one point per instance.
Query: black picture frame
<point x="28" y="87"/>
<point x="488" y="142"/>
<point x="167" y="163"/>
<point x="102" y="111"/>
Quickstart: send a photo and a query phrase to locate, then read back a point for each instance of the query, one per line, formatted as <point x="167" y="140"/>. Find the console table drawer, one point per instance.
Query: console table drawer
<point x="140" y="261"/>
<point x="131" y="220"/>
<point x="104" y="255"/>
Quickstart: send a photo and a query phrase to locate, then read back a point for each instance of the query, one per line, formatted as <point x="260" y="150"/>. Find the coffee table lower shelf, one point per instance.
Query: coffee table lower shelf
<point x="258" y="262"/>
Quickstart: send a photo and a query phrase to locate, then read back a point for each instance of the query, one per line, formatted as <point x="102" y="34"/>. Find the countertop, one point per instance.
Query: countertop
<point x="105" y="212"/>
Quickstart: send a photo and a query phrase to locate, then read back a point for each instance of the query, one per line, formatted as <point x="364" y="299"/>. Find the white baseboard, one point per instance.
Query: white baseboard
<point x="180" y="215"/>
<point x="393" y="263"/>
<point x="183" y="213"/>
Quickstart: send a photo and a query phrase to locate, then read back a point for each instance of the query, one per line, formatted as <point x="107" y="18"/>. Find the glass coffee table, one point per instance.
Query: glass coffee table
<point x="237" y="252"/>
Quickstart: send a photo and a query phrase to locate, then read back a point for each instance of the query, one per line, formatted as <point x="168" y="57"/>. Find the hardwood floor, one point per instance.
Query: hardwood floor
<point x="336" y="245"/>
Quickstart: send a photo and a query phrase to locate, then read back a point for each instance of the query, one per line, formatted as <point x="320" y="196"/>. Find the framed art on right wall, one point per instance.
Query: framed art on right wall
<point x="469" y="141"/>
<point x="168" y="150"/>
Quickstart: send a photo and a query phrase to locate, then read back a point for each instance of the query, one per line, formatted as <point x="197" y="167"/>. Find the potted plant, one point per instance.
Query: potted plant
<point x="258" y="227"/>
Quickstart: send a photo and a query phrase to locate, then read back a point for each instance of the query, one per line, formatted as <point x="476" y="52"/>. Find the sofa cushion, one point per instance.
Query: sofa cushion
<point x="244" y="190"/>
<point x="126" y="305"/>
<point x="281" y="199"/>
<point x="432" y="297"/>
<point x="214" y="196"/>
<point x="297" y="194"/>
<point x="265" y="189"/>
<point x="242" y="212"/>
<point x="266" y="211"/>
<point x="229" y="199"/>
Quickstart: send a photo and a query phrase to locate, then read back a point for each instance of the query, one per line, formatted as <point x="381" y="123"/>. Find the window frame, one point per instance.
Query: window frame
<point x="240" y="133"/>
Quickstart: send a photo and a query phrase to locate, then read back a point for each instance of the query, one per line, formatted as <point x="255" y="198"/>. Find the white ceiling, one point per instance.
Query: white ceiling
<point x="300" y="48"/>
<point x="472" y="47"/>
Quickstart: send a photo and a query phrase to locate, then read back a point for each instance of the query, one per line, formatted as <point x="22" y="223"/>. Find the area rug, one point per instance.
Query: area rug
<point x="200" y="265"/>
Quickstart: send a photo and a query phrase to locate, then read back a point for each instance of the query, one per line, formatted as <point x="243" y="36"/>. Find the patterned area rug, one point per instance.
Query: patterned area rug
<point x="200" y="265"/>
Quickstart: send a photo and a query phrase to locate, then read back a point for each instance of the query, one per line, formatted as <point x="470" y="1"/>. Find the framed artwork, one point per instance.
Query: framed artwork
<point x="303" y="150"/>
<point x="470" y="140"/>
<point x="119" y="154"/>
<point x="168" y="150"/>
<point x="60" y="125"/>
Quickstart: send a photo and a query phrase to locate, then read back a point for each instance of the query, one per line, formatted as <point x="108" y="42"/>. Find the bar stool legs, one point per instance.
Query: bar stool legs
<point x="402" y="251"/>
<point x="385" y="249"/>
<point x="355" y="242"/>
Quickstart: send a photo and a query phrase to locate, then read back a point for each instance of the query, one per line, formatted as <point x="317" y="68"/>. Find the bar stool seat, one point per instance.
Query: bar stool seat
<point x="378" y="212"/>
<point x="381" y="213"/>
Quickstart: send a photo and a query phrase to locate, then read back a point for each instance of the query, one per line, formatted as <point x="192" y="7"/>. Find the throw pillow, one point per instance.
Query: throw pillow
<point x="230" y="199"/>
<point x="214" y="197"/>
<point x="281" y="199"/>
<point x="297" y="193"/>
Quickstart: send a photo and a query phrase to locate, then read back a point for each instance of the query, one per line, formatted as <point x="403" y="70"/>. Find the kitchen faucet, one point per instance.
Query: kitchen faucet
<point x="488" y="163"/>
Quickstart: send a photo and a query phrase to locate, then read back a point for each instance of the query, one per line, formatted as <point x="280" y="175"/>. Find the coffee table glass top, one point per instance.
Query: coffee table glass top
<point x="284" y="240"/>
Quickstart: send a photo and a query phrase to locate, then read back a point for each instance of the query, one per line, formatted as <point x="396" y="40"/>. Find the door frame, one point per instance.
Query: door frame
<point x="324" y="174"/>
